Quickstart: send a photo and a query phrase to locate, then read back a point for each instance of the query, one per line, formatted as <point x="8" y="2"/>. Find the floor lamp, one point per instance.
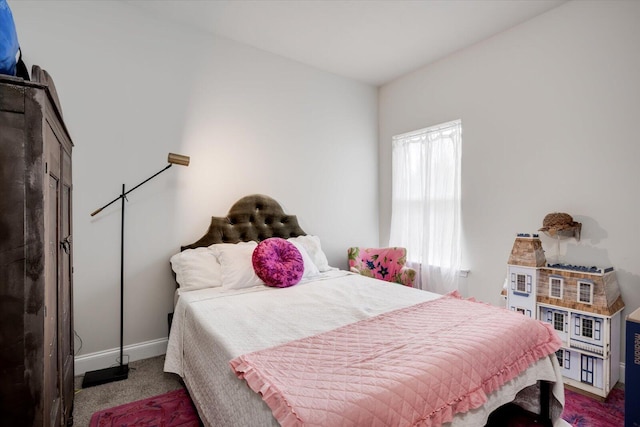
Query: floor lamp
<point x="121" y="372"/>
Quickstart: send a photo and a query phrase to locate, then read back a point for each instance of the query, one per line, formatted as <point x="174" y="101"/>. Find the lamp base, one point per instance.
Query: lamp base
<point x="104" y="376"/>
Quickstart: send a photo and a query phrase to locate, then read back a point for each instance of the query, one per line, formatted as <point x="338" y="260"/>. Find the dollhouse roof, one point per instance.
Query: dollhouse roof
<point x="527" y="251"/>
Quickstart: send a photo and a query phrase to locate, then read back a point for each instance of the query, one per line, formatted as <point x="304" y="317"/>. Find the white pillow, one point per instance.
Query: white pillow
<point x="196" y="269"/>
<point x="310" y="268"/>
<point x="312" y="245"/>
<point x="236" y="264"/>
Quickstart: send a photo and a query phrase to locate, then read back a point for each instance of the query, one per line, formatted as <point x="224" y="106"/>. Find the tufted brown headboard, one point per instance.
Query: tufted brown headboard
<point x="256" y="217"/>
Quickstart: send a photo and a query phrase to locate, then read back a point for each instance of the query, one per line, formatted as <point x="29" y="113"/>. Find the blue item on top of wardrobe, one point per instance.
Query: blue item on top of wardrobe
<point x="8" y="40"/>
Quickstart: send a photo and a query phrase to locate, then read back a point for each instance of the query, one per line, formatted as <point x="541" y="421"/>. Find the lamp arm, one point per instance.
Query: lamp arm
<point x="97" y="211"/>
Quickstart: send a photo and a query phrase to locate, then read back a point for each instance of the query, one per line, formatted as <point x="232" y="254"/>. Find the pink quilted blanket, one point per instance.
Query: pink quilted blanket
<point x="416" y="366"/>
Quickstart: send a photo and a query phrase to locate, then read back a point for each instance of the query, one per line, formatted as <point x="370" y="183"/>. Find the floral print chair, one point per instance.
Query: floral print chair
<point x="382" y="263"/>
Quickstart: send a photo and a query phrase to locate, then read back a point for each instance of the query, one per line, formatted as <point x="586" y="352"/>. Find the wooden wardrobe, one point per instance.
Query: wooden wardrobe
<point x="36" y="255"/>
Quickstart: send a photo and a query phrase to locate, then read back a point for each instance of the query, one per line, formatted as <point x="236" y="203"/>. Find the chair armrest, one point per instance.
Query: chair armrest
<point x="407" y="276"/>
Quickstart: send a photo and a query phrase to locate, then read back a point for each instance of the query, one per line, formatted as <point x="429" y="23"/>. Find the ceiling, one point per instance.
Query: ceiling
<point x="373" y="41"/>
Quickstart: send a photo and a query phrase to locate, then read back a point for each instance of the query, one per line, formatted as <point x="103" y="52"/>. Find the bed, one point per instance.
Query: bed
<point x="338" y="348"/>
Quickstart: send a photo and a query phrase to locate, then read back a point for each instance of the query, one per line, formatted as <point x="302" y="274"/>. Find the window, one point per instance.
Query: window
<point x="520" y="310"/>
<point x="555" y="287"/>
<point x="425" y="208"/>
<point x="558" y="322"/>
<point x="521" y="282"/>
<point x="560" y="357"/>
<point x="567" y="359"/>
<point x="585" y="292"/>
<point x="587" y="328"/>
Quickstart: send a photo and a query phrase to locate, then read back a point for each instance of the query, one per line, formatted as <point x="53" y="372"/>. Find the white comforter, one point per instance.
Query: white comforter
<point x="212" y="326"/>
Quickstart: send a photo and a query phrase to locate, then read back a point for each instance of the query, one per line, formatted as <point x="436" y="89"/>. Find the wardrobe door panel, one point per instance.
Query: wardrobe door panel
<point x="52" y="410"/>
<point x="66" y="291"/>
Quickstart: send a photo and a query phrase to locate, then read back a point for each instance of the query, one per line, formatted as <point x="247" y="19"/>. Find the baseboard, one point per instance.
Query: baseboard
<point x="106" y="358"/>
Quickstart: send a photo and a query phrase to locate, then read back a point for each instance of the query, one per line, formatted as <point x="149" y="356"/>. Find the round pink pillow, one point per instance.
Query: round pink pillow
<point x="278" y="262"/>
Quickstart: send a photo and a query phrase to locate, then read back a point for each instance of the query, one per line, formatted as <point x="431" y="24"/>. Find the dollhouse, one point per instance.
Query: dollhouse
<point x="583" y="304"/>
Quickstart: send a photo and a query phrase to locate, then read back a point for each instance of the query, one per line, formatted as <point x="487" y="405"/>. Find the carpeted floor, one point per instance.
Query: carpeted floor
<point x="146" y="379"/>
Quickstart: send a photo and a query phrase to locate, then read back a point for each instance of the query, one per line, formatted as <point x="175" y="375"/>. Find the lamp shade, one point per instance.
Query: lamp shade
<point x="178" y="159"/>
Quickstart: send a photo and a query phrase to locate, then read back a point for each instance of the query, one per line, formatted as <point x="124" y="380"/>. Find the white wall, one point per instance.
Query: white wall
<point x="132" y="90"/>
<point x="550" y="115"/>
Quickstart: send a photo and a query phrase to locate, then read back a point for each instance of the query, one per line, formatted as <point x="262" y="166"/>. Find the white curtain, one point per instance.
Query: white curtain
<point x="425" y="215"/>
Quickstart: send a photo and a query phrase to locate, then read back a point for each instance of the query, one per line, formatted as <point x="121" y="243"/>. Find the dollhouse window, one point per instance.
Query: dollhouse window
<point x="558" y="322"/>
<point x="585" y="292"/>
<point x="564" y="358"/>
<point x="520" y="310"/>
<point x="555" y="287"/>
<point x="521" y="284"/>
<point x="587" y="328"/>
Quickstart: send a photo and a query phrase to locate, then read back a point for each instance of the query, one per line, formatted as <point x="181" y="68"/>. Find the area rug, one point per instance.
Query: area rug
<point x="175" y="409"/>
<point x="583" y="411"/>
<point x="172" y="409"/>
<point x="579" y="411"/>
